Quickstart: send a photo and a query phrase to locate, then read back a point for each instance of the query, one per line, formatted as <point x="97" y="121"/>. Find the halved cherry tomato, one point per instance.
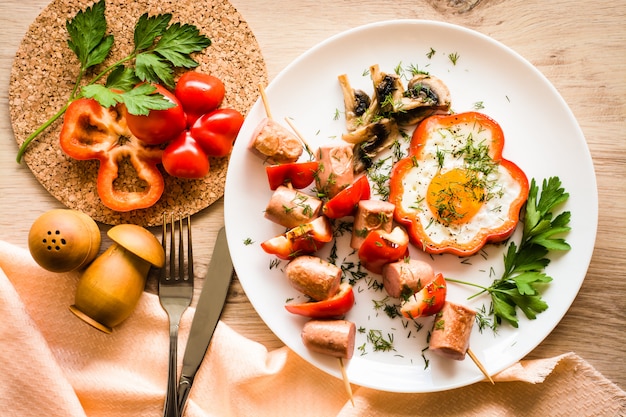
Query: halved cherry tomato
<point x="184" y="158"/>
<point x="380" y="248"/>
<point x="199" y="94"/>
<point x="301" y="240"/>
<point x="298" y="174"/>
<point x="335" y="306"/>
<point x="346" y="201"/>
<point x="159" y="126"/>
<point x="215" y="132"/>
<point x="426" y="302"/>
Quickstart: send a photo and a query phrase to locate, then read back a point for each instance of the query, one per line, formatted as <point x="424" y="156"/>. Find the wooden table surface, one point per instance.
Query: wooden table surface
<point x="579" y="46"/>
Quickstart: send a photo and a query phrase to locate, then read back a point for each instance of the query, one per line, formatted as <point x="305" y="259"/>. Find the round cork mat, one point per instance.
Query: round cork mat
<point x="45" y="70"/>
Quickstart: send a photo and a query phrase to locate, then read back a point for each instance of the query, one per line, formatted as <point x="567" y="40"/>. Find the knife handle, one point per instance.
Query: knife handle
<point x="184" y="386"/>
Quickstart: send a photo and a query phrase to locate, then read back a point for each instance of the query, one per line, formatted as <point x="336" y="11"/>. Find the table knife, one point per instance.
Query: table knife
<point x="208" y="311"/>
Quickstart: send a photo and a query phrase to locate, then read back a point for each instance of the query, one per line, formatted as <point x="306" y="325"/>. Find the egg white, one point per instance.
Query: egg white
<point x="438" y="155"/>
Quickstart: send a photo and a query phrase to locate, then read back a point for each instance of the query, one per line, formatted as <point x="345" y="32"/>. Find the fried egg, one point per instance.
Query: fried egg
<point x="456" y="189"/>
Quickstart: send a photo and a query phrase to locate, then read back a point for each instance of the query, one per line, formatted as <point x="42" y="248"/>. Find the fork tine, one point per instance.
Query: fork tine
<point x="172" y="272"/>
<point x="189" y="250"/>
<point x="164" y="245"/>
<point x="181" y="253"/>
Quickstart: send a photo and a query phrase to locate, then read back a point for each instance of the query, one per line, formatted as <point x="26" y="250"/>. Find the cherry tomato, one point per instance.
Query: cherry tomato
<point x="426" y="302"/>
<point x="216" y="131"/>
<point x="335" y="306"/>
<point x="159" y="126"/>
<point x="184" y="158"/>
<point x="301" y="240"/>
<point x="199" y="94"/>
<point x="298" y="174"/>
<point x="380" y="248"/>
<point x="346" y="201"/>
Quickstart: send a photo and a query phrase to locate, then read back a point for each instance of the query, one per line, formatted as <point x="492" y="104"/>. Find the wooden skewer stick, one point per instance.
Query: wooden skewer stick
<point x="346" y="382"/>
<point x="299" y="135"/>
<point x="265" y="101"/>
<point x="480" y="365"/>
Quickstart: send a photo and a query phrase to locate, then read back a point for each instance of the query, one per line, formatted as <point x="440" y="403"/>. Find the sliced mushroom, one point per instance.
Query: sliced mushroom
<point x="388" y="89"/>
<point x="370" y="140"/>
<point x="425" y="95"/>
<point x="356" y="103"/>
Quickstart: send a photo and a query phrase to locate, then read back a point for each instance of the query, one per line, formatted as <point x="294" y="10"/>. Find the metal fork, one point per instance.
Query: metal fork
<point x="175" y="294"/>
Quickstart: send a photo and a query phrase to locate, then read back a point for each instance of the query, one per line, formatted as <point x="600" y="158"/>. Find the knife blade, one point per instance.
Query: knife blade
<point x="208" y="312"/>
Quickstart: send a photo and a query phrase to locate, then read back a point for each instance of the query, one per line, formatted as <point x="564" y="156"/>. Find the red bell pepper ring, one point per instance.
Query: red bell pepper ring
<point x="346" y="201"/>
<point x="426" y="302"/>
<point x="417" y="214"/>
<point x="380" y="248"/>
<point x="301" y="240"/>
<point x="91" y="131"/>
<point x="298" y="174"/>
<point x="333" y="307"/>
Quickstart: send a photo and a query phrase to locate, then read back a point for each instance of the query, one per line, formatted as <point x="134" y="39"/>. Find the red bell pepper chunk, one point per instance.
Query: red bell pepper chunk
<point x="91" y="131"/>
<point x="301" y="240"/>
<point x="426" y="302"/>
<point x="380" y="248"/>
<point x="298" y="174"/>
<point x="335" y="306"/>
<point x="346" y="201"/>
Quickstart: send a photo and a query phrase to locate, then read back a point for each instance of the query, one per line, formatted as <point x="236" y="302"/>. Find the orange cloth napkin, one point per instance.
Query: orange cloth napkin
<point x="53" y="364"/>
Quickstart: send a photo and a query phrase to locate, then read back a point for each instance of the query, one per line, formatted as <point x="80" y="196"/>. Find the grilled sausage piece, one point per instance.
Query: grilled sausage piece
<point x="314" y="277"/>
<point x="330" y="337"/>
<point x="290" y="208"/>
<point x="274" y="143"/>
<point x="406" y="277"/>
<point x="451" y="331"/>
<point x="371" y="215"/>
<point x="336" y="168"/>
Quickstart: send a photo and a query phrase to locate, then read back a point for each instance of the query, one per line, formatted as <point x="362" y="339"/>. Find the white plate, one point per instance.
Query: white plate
<point x="542" y="137"/>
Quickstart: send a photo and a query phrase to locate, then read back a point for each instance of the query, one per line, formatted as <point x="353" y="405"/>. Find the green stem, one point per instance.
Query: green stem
<point x="458" y="281"/>
<point x="29" y="139"/>
<point x="112" y="67"/>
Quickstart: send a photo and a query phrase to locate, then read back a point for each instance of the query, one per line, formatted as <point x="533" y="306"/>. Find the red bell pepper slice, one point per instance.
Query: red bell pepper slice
<point x="298" y="174"/>
<point x="346" y="201"/>
<point x="91" y="131"/>
<point x="335" y="306"/>
<point x="380" y="248"/>
<point x="426" y="302"/>
<point x="469" y="132"/>
<point x="301" y="240"/>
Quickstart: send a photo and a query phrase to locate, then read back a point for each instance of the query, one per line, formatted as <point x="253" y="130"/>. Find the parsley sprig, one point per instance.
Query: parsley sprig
<point x="524" y="266"/>
<point x="159" y="49"/>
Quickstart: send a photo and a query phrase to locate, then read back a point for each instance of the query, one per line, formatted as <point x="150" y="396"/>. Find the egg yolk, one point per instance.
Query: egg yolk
<point x="455" y="196"/>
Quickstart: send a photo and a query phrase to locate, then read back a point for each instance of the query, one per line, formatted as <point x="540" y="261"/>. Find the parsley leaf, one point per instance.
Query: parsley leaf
<point x="148" y="29"/>
<point x="142" y="99"/>
<point x="172" y="49"/>
<point x="88" y="38"/>
<point x="122" y="78"/>
<point x="523" y="274"/>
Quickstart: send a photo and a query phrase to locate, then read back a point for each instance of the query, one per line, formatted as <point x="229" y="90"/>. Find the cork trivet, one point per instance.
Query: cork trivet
<point x="43" y="76"/>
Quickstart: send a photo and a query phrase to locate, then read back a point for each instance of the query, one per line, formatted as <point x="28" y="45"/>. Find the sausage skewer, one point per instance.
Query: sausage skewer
<point x="272" y="141"/>
<point x="451" y="333"/>
<point x="333" y="338"/>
